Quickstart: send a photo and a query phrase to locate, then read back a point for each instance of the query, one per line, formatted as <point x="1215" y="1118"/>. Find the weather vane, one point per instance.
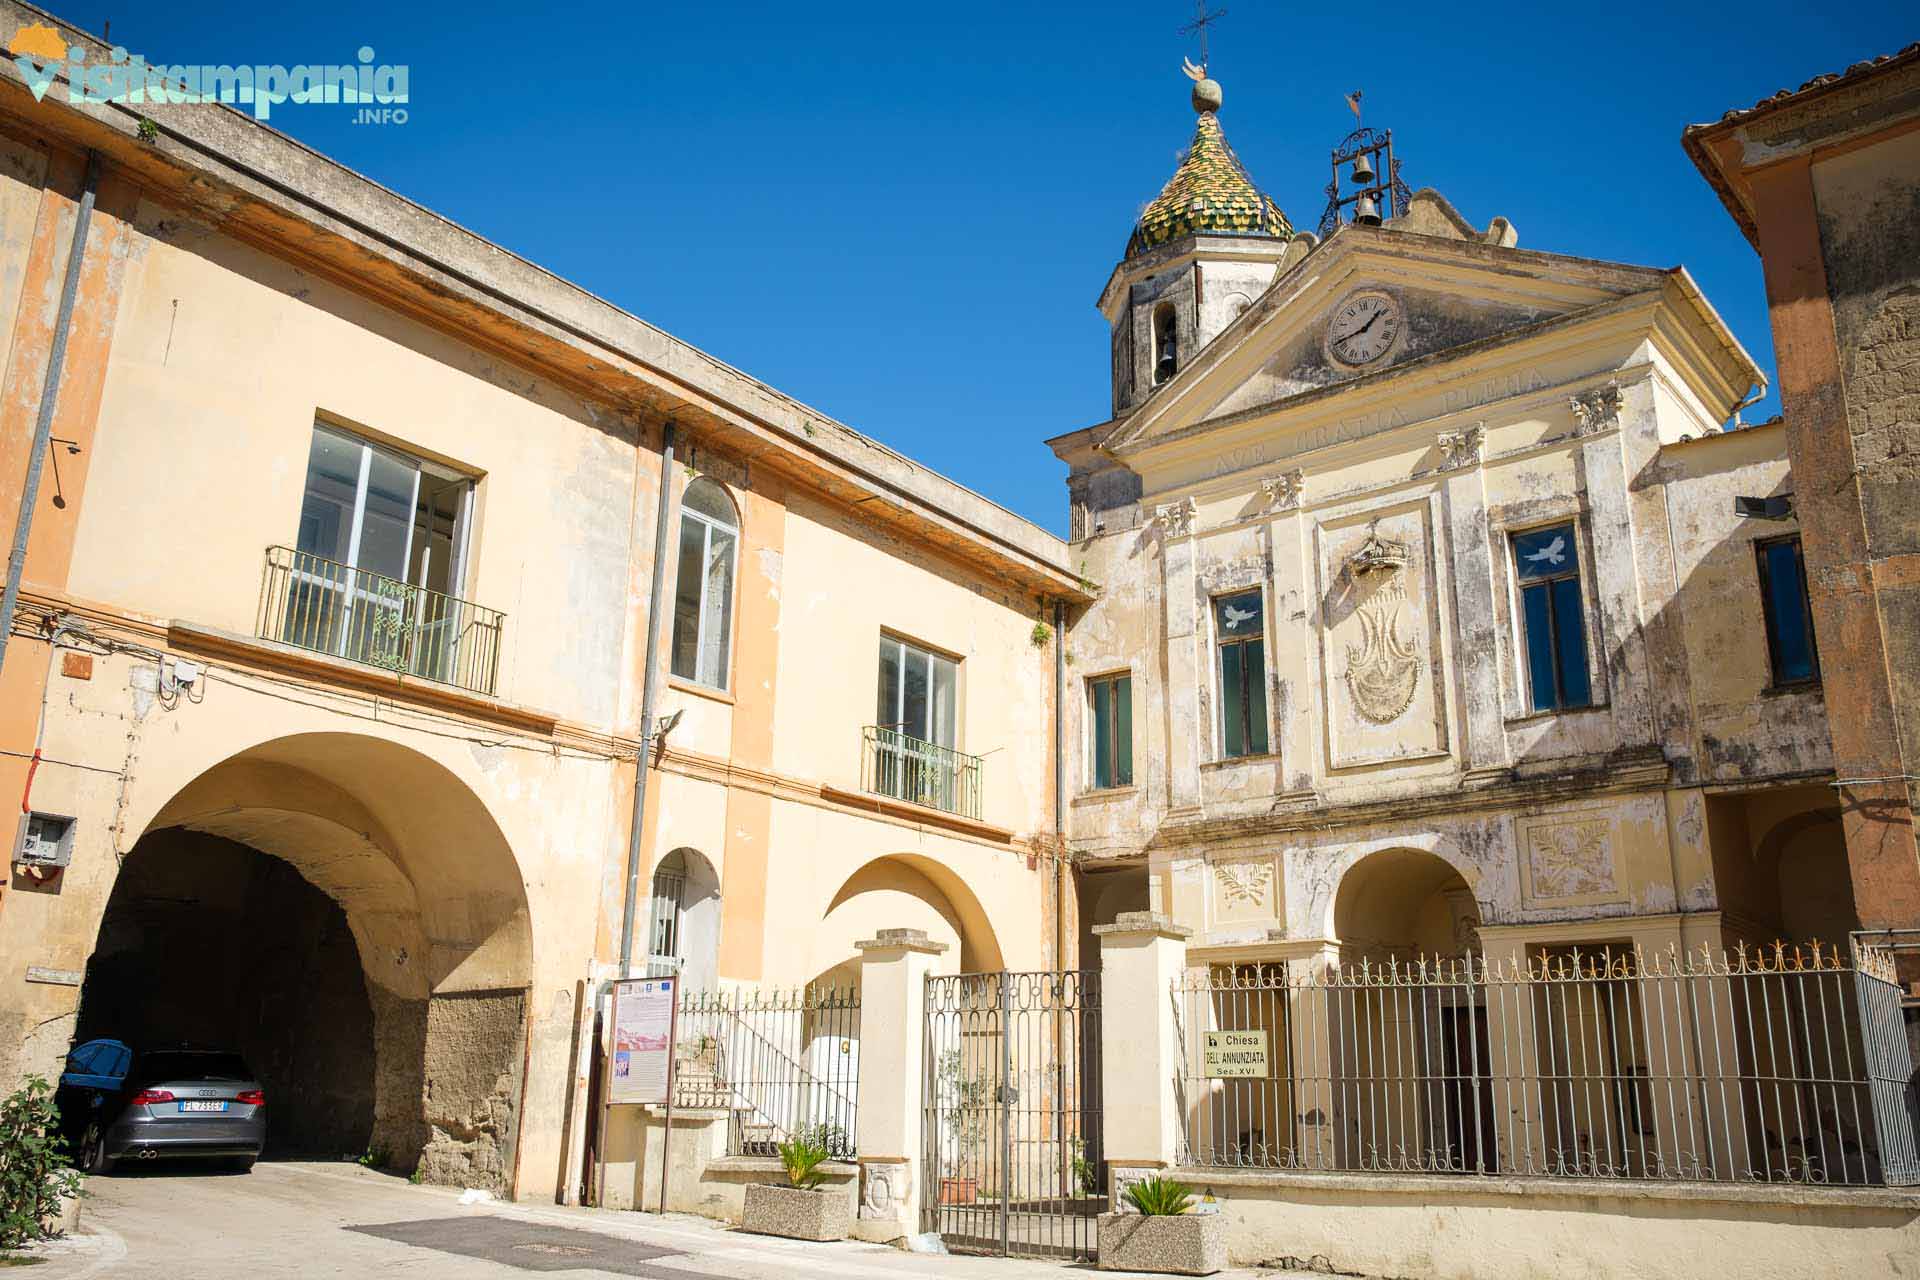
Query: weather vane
<point x="1202" y="19"/>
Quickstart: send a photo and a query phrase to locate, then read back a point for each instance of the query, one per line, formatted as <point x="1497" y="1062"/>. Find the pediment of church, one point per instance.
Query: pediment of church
<point x="1369" y="302"/>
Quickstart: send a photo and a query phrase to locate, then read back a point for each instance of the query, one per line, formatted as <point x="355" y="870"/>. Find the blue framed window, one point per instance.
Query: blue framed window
<point x="1239" y="623"/>
<point x="1783" y="598"/>
<point x="1546" y="564"/>
<point x="1110" y="699"/>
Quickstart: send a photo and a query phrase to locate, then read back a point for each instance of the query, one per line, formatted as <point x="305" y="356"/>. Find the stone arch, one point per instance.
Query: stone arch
<point x="1405" y="903"/>
<point x="436" y="906"/>
<point x="907" y="891"/>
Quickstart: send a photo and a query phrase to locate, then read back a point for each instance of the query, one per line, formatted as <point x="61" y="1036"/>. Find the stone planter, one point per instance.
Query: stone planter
<point x="1189" y="1244"/>
<point x="797" y="1214"/>
<point x="65" y="1218"/>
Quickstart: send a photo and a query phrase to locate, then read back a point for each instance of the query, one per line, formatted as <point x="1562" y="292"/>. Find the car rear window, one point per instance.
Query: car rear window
<point x="193" y="1066"/>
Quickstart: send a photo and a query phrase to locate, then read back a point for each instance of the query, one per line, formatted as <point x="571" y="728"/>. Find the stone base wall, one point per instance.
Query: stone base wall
<point x="702" y="1178"/>
<point x="1504" y="1229"/>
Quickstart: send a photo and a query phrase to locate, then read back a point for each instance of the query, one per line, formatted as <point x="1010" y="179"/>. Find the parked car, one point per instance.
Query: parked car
<point x="118" y="1104"/>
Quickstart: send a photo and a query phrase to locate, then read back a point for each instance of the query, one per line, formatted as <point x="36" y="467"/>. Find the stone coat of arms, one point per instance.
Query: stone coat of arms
<point x="1383" y="669"/>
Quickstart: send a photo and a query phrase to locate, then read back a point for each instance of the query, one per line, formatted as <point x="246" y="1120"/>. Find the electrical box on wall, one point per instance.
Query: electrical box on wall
<point x="45" y="840"/>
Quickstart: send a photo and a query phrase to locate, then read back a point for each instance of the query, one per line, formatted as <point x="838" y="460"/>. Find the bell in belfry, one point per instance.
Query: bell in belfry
<point x="1363" y="174"/>
<point x="1366" y="212"/>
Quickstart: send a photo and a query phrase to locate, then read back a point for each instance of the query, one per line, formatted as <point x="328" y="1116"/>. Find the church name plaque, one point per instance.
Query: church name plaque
<point x="1231" y="1055"/>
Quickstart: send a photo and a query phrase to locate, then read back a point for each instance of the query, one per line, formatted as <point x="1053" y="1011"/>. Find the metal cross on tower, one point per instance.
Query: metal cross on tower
<point x="1202" y="19"/>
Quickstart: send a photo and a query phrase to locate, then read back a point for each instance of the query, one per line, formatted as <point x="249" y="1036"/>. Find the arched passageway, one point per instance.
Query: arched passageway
<point x="345" y="913"/>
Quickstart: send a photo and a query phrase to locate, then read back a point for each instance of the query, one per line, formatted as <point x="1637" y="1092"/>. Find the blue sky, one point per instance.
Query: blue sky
<point x="902" y="214"/>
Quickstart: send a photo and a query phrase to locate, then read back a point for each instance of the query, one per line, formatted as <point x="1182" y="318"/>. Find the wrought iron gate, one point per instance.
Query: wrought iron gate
<point x="1012" y="1113"/>
<point x="1889" y="1053"/>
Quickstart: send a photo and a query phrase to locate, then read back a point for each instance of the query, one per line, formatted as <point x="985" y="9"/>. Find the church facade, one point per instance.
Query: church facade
<point x="1422" y="585"/>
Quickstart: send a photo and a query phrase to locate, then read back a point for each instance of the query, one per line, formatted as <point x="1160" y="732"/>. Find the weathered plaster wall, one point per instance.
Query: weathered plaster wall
<point x="1570" y="817"/>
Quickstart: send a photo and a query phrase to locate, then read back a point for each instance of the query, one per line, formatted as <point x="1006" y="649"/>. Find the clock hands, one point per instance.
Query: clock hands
<point x="1363" y="328"/>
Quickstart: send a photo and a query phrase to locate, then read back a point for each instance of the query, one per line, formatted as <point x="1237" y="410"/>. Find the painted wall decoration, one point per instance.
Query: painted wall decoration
<point x="1383" y="669"/>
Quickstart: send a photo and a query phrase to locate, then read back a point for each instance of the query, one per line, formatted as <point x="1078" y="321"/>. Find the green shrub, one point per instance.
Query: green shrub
<point x="33" y="1173"/>
<point x="1159" y="1197"/>
<point x="802" y="1158"/>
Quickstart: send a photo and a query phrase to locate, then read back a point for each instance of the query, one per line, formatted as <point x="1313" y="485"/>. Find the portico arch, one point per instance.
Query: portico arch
<point x="432" y="896"/>
<point x="1402" y="904"/>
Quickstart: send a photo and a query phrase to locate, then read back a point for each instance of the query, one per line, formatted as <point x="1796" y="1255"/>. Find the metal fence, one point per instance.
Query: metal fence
<point x="1753" y="1066"/>
<point x="323" y="605"/>
<point x="906" y="768"/>
<point x="783" y="1064"/>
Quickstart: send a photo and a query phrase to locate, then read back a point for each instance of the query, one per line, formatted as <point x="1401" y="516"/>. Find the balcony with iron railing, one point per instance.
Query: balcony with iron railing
<point x="906" y="768"/>
<point x="314" y="603"/>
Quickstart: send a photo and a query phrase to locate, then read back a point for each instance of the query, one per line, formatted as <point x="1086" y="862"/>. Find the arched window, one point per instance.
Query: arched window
<point x="683" y="925"/>
<point x="1166" y="343"/>
<point x="703" y="590"/>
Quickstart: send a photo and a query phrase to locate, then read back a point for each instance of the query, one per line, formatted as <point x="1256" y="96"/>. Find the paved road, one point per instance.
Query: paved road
<point x="341" y="1220"/>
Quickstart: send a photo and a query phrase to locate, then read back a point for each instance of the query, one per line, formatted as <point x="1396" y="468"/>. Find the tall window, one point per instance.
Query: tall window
<point x="703" y="588"/>
<point x="1238" y="622"/>
<point x="917" y="692"/>
<point x="1166" y="343"/>
<point x="1110" y="702"/>
<point x="1783" y="597"/>
<point x="374" y="525"/>
<point x="1546" y="563"/>
<point x="665" y="951"/>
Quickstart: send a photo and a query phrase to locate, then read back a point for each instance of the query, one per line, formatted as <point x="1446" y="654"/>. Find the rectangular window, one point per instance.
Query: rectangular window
<point x="1783" y="598"/>
<point x="1547" y="565"/>
<point x="1110" y="702"/>
<point x="1238" y="625"/>
<point x="917" y="692"/>
<point x="380" y="549"/>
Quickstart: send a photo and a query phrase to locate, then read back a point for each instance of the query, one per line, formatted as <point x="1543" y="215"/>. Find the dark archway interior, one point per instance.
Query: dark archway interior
<point x="213" y="943"/>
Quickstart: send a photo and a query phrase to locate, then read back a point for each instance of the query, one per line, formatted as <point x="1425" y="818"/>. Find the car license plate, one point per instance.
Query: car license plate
<point x="203" y="1106"/>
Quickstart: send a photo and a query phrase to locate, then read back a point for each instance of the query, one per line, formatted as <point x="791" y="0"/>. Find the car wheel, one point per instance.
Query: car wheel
<point x="93" y="1151"/>
<point x="242" y="1164"/>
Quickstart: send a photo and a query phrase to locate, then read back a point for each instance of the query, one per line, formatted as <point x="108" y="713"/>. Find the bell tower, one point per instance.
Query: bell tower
<point x="1202" y="251"/>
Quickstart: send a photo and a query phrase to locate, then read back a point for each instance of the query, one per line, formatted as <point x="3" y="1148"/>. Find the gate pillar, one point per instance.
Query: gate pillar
<point x="1141" y="954"/>
<point x="893" y="994"/>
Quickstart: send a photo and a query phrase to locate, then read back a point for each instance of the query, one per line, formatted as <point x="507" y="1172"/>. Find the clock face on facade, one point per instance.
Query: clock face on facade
<point x="1363" y="328"/>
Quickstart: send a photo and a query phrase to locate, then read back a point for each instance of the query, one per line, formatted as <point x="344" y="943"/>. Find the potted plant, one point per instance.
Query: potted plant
<point x="801" y="1209"/>
<point x="966" y="1096"/>
<point x="1162" y="1234"/>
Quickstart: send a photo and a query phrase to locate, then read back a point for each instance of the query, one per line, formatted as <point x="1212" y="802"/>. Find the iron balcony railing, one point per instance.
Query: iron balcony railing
<point x="329" y="607"/>
<point x="906" y="768"/>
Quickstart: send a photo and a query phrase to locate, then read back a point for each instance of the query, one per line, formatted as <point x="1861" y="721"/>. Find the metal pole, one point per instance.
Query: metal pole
<point x="648" y="689"/>
<point x="666" y="1139"/>
<point x="49" y="398"/>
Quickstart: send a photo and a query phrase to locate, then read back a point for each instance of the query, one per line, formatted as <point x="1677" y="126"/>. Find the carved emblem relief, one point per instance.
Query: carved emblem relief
<point x="1176" y="518"/>
<point x="1570" y="860"/>
<point x="1382" y="685"/>
<point x="1597" y="409"/>
<point x="885" y="1189"/>
<point x="1383" y="669"/>
<point x="1283" y="490"/>
<point x="1243" y="882"/>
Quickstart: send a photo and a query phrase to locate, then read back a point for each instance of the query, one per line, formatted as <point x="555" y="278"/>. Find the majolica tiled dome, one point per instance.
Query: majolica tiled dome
<point x="1210" y="193"/>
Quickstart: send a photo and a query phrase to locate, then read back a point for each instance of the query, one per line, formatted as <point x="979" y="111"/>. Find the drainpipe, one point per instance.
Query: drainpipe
<point x="648" y="690"/>
<point x="1060" y="878"/>
<point x="49" y="397"/>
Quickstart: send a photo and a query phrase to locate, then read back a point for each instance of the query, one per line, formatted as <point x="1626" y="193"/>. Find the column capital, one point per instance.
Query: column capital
<point x="1135" y="924"/>
<point x="902" y="940"/>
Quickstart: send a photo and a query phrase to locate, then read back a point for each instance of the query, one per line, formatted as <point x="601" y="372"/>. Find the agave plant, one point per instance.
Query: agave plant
<point x="1159" y="1197"/>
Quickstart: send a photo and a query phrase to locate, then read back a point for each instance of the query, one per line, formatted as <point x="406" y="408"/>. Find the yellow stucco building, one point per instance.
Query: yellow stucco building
<point x="408" y="642"/>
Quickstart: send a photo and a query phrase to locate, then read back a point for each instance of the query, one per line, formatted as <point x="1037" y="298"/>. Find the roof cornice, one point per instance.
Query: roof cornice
<point x="271" y="191"/>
